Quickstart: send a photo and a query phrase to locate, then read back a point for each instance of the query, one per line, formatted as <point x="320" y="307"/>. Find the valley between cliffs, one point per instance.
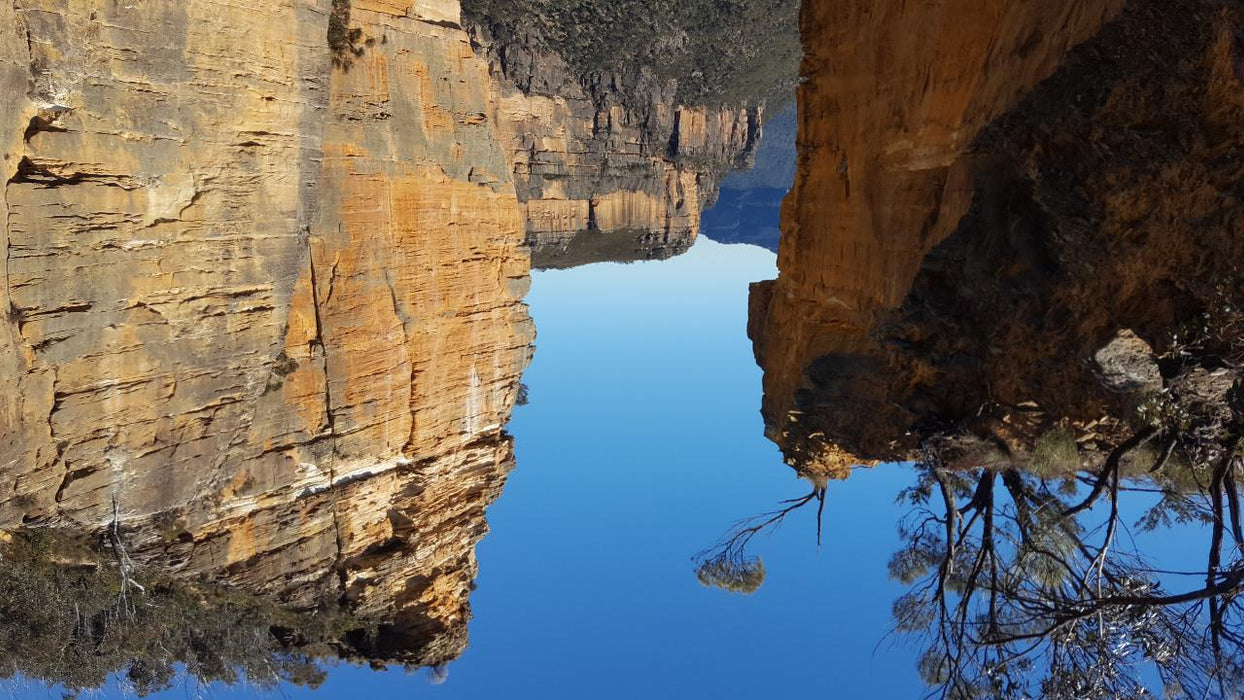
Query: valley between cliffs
<point x="608" y="165"/>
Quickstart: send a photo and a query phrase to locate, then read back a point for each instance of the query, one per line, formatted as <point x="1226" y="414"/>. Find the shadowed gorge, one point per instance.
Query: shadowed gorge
<point x="620" y="119"/>
<point x="749" y="207"/>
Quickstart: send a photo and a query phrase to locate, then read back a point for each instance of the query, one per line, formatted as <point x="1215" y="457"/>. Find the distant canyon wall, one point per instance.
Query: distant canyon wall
<point x="609" y="166"/>
<point x="986" y="194"/>
<point x="262" y="284"/>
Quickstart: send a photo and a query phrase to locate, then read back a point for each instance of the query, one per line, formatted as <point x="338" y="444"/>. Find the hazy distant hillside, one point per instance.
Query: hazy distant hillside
<point x="749" y="207"/>
<point x="775" y="158"/>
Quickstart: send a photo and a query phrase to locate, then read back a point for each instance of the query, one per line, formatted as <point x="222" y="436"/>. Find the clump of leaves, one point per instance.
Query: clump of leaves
<point x="736" y="575"/>
<point x="1218" y="331"/>
<point x="344" y="41"/>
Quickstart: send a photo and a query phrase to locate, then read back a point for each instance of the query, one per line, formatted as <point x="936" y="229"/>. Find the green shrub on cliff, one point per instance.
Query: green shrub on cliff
<point x="68" y="618"/>
<point x="720" y="51"/>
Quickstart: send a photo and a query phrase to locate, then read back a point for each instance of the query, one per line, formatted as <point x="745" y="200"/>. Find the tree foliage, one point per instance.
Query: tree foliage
<point x="70" y="618"/>
<point x="727" y="564"/>
<point x="744" y="575"/>
<point x="1018" y="591"/>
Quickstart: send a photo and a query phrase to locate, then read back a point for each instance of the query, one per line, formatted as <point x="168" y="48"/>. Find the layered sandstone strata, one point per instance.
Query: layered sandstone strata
<point x="986" y="195"/>
<point x="609" y="167"/>
<point x="263" y="278"/>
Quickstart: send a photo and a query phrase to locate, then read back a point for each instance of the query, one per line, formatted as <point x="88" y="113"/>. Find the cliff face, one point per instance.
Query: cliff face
<point x="608" y="166"/>
<point x="985" y="196"/>
<point x="262" y="281"/>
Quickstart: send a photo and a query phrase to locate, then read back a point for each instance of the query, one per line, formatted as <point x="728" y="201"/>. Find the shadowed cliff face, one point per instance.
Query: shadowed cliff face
<point x="262" y="280"/>
<point x="977" y="214"/>
<point x="1011" y="258"/>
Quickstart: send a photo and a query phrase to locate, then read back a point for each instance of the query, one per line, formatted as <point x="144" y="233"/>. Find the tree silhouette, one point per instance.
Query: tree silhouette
<point x="727" y="564"/>
<point x="1015" y="595"/>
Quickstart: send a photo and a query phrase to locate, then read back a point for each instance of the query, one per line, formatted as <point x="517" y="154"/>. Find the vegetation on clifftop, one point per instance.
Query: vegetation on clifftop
<point x="733" y="52"/>
<point x="70" y="616"/>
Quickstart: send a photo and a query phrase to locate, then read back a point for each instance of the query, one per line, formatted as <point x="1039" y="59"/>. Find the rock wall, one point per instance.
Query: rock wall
<point x="611" y="159"/>
<point x="986" y="194"/>
<point x="893" y="94"/>
<point x="263" y="279"/>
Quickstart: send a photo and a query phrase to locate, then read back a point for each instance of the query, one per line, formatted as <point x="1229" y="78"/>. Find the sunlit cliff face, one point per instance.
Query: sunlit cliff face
<point x="263" y="300"/>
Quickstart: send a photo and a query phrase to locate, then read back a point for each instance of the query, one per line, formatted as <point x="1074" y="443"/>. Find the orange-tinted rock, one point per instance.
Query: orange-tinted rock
<point x="603" y="173"/>
<point x="894" y="93"/>
<point x="273" y="300"/>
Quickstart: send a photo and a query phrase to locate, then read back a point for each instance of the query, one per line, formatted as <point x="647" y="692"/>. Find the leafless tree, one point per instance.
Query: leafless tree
<point x="125" y="565"/>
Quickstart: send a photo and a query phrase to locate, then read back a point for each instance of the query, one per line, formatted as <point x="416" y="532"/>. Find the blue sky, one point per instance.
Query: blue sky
<point x="641" y="444"/>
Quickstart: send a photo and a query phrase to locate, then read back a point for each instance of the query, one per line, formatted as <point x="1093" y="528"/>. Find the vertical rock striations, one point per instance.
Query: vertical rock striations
<point x="262" y="282"/>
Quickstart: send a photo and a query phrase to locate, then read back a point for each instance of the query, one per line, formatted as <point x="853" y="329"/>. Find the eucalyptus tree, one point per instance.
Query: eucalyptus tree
<point x="729" y="565"/>
<point x="1018" y="590"/>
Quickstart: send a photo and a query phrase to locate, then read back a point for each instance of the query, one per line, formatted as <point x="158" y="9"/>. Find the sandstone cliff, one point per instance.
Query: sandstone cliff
<point x="986" y="195"/>
<point x="608" y="165"/>
<point x="262" y="278"/>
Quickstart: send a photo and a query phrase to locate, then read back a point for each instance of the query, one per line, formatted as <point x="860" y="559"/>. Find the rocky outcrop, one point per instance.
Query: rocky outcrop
<point x="987" y="195"/>
<point x="263" y="279"/>
<point x="608" y="166"/>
